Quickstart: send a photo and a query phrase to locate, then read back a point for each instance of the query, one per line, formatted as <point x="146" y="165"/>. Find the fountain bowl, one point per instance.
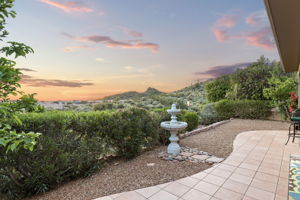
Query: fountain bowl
<point x="173" y="126"/>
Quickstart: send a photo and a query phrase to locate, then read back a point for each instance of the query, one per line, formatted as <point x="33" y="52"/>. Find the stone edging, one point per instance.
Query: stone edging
<point x="206" y="128"/>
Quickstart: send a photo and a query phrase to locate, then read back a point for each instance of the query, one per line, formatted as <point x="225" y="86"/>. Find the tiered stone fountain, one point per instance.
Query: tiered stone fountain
<point x="173" y="126"/>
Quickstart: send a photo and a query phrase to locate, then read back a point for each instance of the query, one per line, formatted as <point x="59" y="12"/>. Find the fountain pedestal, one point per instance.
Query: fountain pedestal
<point x="173" y="126"/>
<point x="173" y="147"/>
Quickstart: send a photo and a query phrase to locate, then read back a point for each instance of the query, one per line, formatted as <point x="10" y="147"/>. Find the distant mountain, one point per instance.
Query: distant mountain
<point x="133" y="94"/>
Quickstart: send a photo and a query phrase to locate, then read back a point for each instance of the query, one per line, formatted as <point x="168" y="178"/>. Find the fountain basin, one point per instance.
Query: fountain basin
<point x="173" y="126"/>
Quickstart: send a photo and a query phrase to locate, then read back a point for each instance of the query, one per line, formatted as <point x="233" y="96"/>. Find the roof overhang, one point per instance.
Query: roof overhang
<point x="284" y="17"/>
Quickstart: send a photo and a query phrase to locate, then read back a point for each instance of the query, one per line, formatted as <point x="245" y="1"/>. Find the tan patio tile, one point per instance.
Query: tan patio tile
<point x="266" y="177"/>
<point x="163" y="195"/>
<point x="270" y="166"/>
<point x="163" y="185"/>
<point x="207" y="188"/>
<point x="214" y="179"/>
<point x="149" y="191"/>
<point x="245" y="172"/>
<point x="232" y="162"/>
<point x="235" y="186"/>
<point x="209" y="170"/>
<point x="177" y="189"/>
<point x="105" y="198"/>
<point x="221" y="173"/>
<point x="264" y="185"/>
<point x="252" y="162"/>
<point x="117" y="195"/>
<point x="240" y="178"/>
<point x="131" y="196"/>
<point x="226" y="167"/>
<point x="225" y="194"/>
<point x="284" y="173"/>
<point x="248" y="198"/>
<point x="249" y="166"/>
<point x="195" y="195"/>
<point x="199" y="176"/>
<point x="189" y="181"/>
<point x="259" y="194"/>
<point x="268" y="170"/>
<point x="282" y="187"/>
<point x="278" y="197"/>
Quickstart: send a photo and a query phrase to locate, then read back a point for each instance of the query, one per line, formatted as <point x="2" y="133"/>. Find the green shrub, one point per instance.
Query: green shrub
<point x="161" y="115"/>
<point x="245" y="109"/>
<point x="73" y="144"/>
<point x="192" y="119"/>
<point x="208" y="114"/>
<point x="133" y="131"/>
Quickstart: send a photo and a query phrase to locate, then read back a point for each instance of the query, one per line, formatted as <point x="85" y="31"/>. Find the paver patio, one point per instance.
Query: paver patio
<point x="258" y="168"/>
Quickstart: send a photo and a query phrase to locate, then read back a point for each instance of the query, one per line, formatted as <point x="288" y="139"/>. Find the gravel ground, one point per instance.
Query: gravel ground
<point x="134" y="174"/>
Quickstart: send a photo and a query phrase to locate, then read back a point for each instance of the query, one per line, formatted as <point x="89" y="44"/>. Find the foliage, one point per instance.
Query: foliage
<point x="28" y="103"/>
<point x="104" y="106"/>
<point x="135" y="130"/>
<point x="218" y="88"/>
<point x="208" y="114"/>
<point x="249" y="83"/>
<point x="192" y="120"/>
<point x="73" y="144"/>
<point x="279" y="92"/>
<point x="10" y="140"/>
<point x="245" y="109"/>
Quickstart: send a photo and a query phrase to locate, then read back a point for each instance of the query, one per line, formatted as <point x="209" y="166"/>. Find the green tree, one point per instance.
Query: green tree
<point x="249" y="83"/>
<point x="218" y="88"/>
<point x="9" y="84"/>
<point x="279" y="92"/>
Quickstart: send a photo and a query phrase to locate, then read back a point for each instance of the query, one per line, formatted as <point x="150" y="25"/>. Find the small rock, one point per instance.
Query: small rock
<point x="200" y="157"/>
<point x="186" y="154"/>
<point x="116" y="163"/>
<point x="150" y="164"/>
<point x="214" y="159"/>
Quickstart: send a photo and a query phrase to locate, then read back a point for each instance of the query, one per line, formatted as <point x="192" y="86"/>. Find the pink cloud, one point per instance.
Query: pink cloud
<point x="74" y="48"/>
<point x="131" y="33"/>
<point x="109" y="42"/>
<point x="69" y="7"/>
<point x="261" y="38"/>
<point x="256" y="18"/>
<point x="227" y="21"/>
<point x="221" y="35"/>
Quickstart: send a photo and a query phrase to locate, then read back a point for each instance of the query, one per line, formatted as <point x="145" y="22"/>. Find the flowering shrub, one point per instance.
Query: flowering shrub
<point x="293" y="102"/>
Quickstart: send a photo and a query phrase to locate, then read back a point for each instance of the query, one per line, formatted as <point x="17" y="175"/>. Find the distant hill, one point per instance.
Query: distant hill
<point x="133" y="94"/>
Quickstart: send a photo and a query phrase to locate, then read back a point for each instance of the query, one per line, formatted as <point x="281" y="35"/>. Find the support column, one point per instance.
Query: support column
<point x="298" y="88"/>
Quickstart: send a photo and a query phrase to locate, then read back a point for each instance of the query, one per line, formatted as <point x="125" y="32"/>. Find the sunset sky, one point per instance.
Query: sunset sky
<point x="88" y="49"/>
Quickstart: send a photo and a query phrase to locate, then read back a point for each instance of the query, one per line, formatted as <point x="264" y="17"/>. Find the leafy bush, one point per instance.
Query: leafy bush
<point x="192" y="119"/>
<point x="217" y="89"/>
<point x="279" y="92"/>
<point x="245" y="109"/>
<point x="134" y="130"/>
<point x="208" y="114"/>
<point x="73" y="144"/>
<point x="161" y="115"/>
<point x="103" y="106"/>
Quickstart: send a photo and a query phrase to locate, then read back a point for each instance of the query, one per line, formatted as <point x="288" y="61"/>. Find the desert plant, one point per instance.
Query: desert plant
<point x="208" y="114"/>
<point x="245" y="109"/>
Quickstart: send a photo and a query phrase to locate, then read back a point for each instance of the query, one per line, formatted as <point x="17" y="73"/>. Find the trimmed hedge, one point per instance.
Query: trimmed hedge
<point x="192" y="119"/>
<point x="244" y="109"/>
<point x="73" y="144"/>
